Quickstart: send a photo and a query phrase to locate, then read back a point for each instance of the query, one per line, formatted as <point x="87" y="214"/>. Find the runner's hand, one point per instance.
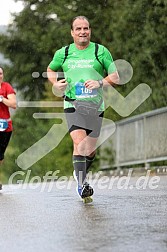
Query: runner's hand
<point x="60" y="85"/>
<point x="92" y="84"/>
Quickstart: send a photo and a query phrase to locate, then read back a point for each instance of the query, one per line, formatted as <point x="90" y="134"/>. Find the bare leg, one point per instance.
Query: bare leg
<point x="83" y="144"/>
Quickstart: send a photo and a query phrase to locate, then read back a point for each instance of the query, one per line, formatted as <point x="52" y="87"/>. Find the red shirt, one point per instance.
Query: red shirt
<point x="5" y="90"/>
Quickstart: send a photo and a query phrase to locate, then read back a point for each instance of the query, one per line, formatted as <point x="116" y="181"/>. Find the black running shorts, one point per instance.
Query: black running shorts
<point x="91" y="124"/>
<point x="4" y="140"/>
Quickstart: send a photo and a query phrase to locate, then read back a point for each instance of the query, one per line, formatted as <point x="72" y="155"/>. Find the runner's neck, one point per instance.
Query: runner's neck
<point x="81" y="47"/>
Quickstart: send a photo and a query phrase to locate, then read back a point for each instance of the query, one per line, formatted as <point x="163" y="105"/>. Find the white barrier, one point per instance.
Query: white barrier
<point x="139" y="139"/>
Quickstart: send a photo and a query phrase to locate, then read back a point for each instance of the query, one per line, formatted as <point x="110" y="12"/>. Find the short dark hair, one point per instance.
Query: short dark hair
<point x="78" y="17"/>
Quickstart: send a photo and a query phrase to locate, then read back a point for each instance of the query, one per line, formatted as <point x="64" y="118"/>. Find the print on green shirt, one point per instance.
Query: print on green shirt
<point x="82" y="65"/>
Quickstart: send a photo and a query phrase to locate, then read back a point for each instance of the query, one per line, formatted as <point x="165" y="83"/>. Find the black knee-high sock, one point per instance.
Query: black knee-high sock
<point x="89" y="161"/>
<point x="79" y="163"/>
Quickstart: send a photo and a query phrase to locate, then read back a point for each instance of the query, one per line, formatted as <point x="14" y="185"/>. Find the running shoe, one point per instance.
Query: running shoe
<point x="85" y="191"/>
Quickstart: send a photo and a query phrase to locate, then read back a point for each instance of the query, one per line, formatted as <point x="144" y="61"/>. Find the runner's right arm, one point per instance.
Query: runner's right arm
<point x="52" y="77"/>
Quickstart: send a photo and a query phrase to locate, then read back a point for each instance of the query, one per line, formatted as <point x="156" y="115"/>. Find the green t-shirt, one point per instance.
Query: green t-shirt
<point x="82" y="65"/>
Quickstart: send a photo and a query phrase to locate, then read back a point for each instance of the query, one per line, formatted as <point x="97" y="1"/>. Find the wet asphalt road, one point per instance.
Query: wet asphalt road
<point x="119" y="220"/>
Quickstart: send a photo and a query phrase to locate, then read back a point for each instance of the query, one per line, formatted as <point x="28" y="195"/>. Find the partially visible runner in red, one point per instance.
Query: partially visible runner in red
<point x="7" y="100"/>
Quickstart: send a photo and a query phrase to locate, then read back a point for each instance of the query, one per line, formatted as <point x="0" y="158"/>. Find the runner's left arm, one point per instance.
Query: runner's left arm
<point x="112" y="77"/>
<point x="110" y="80"/>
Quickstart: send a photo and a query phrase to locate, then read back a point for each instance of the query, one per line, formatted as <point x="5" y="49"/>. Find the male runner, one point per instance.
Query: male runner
<point x="85" y="65"/>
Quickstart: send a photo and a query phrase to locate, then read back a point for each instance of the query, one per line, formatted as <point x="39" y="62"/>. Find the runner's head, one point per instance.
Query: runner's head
<point x="81" y="31"/>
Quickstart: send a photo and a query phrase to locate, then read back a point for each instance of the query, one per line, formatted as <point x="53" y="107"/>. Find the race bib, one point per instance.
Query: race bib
<point x="82" y="92"/>
<point x="3" y="124"/>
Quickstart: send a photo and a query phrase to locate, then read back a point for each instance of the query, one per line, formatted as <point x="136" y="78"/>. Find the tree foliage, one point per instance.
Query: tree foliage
<point x="132" y="30"/>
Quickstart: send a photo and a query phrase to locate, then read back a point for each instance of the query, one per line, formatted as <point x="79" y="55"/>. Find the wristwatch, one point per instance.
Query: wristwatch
<point x="1" y="98"/>
<point x="100" y="83"/>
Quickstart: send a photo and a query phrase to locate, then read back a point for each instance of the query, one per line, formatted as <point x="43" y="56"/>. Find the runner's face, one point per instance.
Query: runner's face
<point x="81" y="32"/>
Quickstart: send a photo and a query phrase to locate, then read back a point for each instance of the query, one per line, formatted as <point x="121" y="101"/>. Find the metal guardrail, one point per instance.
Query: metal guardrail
<point x="139" y="139"/>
